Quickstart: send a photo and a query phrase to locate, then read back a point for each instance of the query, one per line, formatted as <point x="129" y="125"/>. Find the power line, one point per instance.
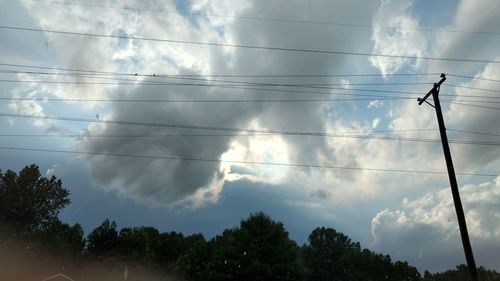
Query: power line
<point x="297" y="165"/>
<point x="320" y="75"/>
<point x="382" y="98"/>
<point x="242" y="85"/>
<point x="368" y="137"/>
<point x="472" y="105"/>
<point x="267" y="90"/>
<point x="474" y="78"/>
<point x="222" y="128"/>
<point x="220" y="75"/>
<point x="473" y="101"/>
<point x="181" y="77"/>
<point x="280" y="20"/>
<point x="269" y="48"/>
<point x="198" y="101"/>
<point x="190" y="77"/>
<point x="228" y="129"/>
<point x="473" y="88"/>
<point x="268" y="84"/>
<point x="182" y="126"/>
<point x="473" y="132"/>
<point x="237" y="84"/>
<point x="230" y="83"/>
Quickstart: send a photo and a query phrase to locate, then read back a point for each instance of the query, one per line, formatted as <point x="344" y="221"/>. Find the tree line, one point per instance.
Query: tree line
<point x="35" y="242"/>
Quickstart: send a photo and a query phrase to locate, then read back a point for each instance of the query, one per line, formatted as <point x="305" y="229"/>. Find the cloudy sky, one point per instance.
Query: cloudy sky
<point x="189" y="115"/>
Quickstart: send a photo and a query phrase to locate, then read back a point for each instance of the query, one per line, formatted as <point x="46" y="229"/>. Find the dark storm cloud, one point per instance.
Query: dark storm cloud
<point x="164" y="181"/>
<point x="167" y="181"/>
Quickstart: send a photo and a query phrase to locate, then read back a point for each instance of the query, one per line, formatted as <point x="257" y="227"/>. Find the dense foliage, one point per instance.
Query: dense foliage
<point x="29" y="203"/>
<point x="258" y="249"/>
<point x="461" y="273"/>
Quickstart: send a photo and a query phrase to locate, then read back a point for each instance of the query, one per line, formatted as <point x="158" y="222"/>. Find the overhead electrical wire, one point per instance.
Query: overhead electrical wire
<point x="189" y="77"/>
<point x="473" y="132"/>
<point x="45" y="99"/>
<point x="271" y="19"/>
<point x="156" y="136"/>
<point x="124" y="100"/>
<point x="473" y="77"/>
<point x="241" y="46"/>
<point x="211" y="128"/>
<point x="241" y="85"/>
<point x="180" y="77"/>
<point x="472" y="105"/>
<point x="181" y="126"/>
<point x="266" y="90"/>
<point x="246" y="75"/>
<point x="232" y="83"/>
<point x="268" y="84"/>
<point x="237" y="83"/>
<point x="472" y="88"/>
<point x="473" y="101"/>
<point x="232" y="86"/>
<point x="96" y="72"/>
<point x="208" y="160"/>
<point x="219" y="75"/>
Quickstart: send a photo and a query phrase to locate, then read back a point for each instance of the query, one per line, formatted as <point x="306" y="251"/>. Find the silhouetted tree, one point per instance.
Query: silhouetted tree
<point x="62" y="239"/>
<point x="461" y="273"/>
<point x="103" y="240"/>
<point x="331" y="255"/>
<point x="138" y="243"/>
<point x="29" y="202"/>
<point x="193" y="263"/>
<point x="427" y="275"/>
<point x="403" y="271"/>
<point x="170" y="246"/>
<point x="259" y="249"/>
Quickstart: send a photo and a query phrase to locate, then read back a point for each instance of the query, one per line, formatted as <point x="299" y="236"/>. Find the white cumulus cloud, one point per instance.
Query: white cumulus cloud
<point x="425" y="229"/>
<point x="395" y="33"/>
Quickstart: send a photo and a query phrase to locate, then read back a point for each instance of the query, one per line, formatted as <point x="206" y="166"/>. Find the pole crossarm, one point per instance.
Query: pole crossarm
<point x="434" y="88"/>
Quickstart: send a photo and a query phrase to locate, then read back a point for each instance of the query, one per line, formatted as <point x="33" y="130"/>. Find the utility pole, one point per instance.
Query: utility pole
<point x="469" y="256"/>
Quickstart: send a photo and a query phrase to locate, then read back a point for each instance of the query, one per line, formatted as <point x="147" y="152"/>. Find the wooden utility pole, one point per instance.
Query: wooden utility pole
<point x="469" y="256"/>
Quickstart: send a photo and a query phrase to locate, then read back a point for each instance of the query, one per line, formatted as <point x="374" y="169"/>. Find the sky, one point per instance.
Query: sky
<point x="190" y="115"/>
